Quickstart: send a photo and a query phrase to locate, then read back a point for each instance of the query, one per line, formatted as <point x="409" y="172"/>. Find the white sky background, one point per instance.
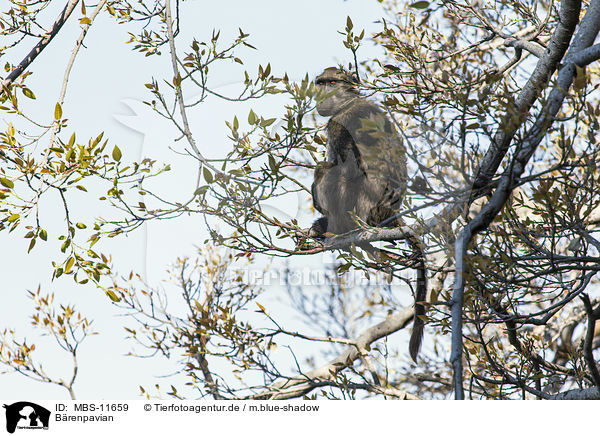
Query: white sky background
<point x="106" y="86"/>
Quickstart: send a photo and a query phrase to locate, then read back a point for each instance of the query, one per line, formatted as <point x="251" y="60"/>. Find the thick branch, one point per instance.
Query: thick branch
<point x="588" y="354"/>
<point x="578" y="394"/>
<point x="532" y="47"/>
<point x="587" y="56"/>
<point x="432" y="225"/>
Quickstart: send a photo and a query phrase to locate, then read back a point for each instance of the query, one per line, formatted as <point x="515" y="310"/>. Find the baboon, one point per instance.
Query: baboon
<point x="364" y="175"/>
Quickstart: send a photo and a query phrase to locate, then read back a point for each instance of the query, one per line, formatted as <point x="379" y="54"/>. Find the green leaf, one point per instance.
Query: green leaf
<point x="80" y="226"/>
<point x="69" y="265"/>
<point x="580" y="78"/>
<point x="7" y="183"/>
<point x="65" y="245"/>
<point x="94" y="239"/>
<point x="28" y="93"/>
<point x="113" y="296"/>
<point x="207" y="175"/>
<point x="251" y="117"/>
<point x="349" y="24"/>
<point x="57" y="112"/>
<point x="272" y="164"/>
<point x="116" y="154"/>
<point x="43" y="235"/>
<point x="356" y="253"/>
<point x="343" y="268"/>
<point x="420" y="5"/>
<point x="13" y="217"/>
<point x="177" y="80"/>
<point x="201" y="190"/>
<point x="98" y="139"/>
<point x="31" y="245"/>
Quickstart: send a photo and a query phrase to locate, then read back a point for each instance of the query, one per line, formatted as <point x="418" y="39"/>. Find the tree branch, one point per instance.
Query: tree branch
<point x="41" y="45"/>
<point x="532" y="47"/>
<point x="592" y="317"/>
<point x="303" y="384"/>
<point x="67" y="74"/>
<point x="587" y="56"/>
<point x="578" y="394"/>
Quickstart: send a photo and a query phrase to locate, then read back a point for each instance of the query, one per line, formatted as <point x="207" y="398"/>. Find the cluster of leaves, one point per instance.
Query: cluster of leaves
<point x="65" y="324"/>
<point x="204" y="322"/>
<point x="62" y="168"/>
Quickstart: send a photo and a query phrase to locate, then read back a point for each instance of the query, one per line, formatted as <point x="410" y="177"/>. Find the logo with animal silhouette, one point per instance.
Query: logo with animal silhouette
<point x="26" y="415"/>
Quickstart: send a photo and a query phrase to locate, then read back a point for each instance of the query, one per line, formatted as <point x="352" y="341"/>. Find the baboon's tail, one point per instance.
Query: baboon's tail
<point x="416" y="336"/>
<point x="415" y="244"/>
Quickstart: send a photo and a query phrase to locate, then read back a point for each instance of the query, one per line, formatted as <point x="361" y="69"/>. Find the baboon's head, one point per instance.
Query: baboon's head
<point x="340" y="88"/>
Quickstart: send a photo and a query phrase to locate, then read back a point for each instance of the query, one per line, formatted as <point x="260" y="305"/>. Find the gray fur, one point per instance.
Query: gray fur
<point x="365" y="170"/>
